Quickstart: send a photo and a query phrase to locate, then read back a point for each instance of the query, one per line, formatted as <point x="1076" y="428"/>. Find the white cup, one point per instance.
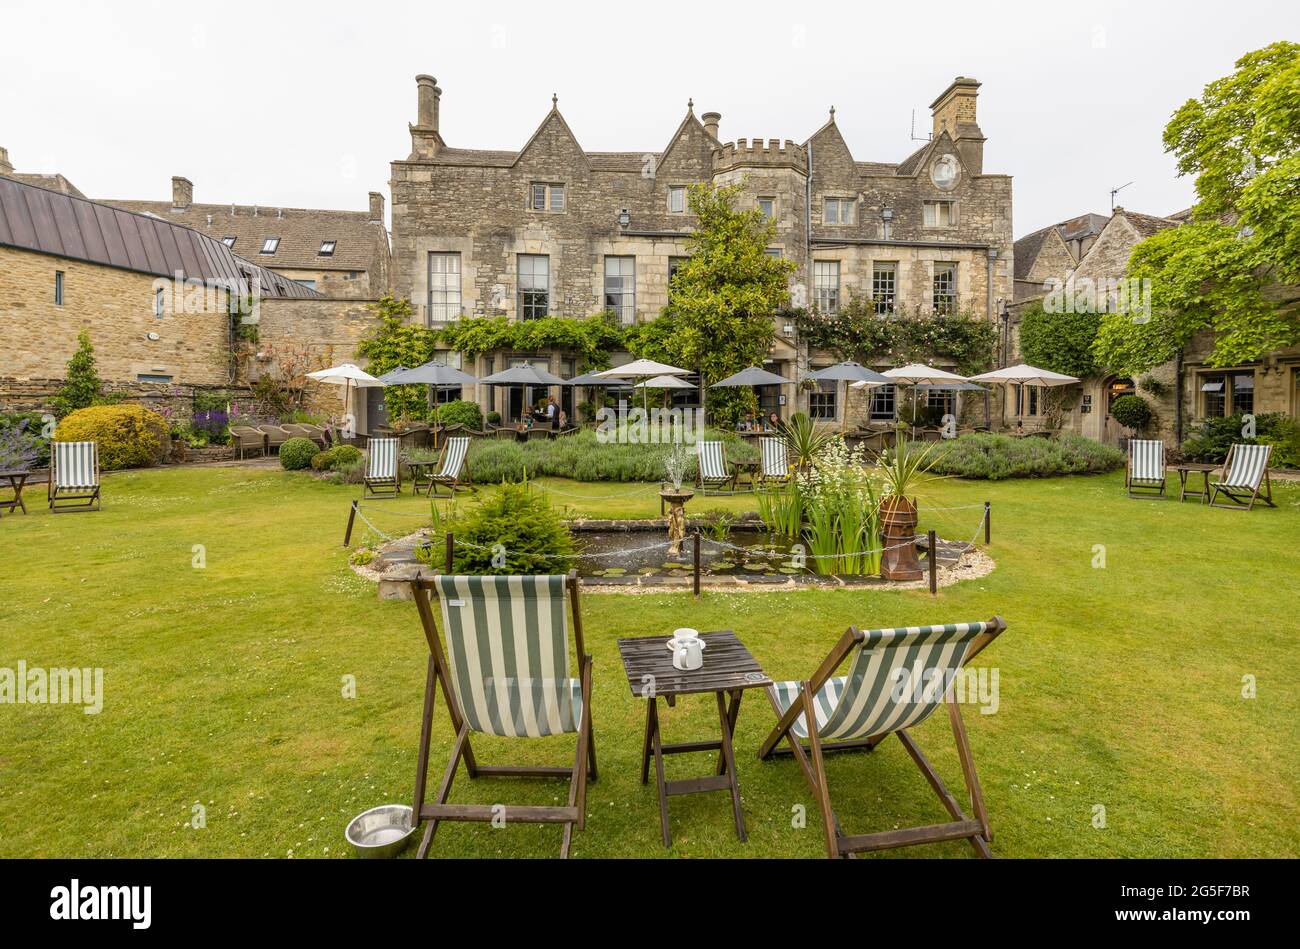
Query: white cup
<point x="685" y="633"/>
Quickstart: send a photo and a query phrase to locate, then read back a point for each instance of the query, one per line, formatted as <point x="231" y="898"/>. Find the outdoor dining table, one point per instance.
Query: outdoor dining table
<point x="422" y="475"/>
<point x="14" y="480"/>
<point x="728" y="671"/>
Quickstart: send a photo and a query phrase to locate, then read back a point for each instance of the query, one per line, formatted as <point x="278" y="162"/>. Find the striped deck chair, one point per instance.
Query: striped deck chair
<point x="891" y="686"/>
<point x="1145" y="477"/>
<point x="505" y="673"/>
<point x="713" y="471"/>
<point x="1246" y="471"/>
<point x="383" y="478"/>
<point x="74" y="477"/>
<point x="776" y="464"/>
<point x="455" y="468"/>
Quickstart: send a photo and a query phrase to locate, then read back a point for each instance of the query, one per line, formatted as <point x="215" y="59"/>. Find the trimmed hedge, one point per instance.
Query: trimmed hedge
<point x="461" y="412"/>
<point x="337" y="457"/>
<point x="1210" y="445"/>
<point x="997" y="457"/>
<point x="128" y="435"/>
<point x="297" y="453"/>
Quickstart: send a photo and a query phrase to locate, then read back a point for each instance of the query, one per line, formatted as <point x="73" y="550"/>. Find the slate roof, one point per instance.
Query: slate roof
<point x="301" y="232"/>
<point x="1027" y="249"/>
<point x="49" y="182"/>
<point x="64" y="225"/>
<point x="1146" y="224"/>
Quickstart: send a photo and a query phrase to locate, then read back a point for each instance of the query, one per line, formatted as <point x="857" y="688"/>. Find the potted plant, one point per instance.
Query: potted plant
<point x="902" y="469"/>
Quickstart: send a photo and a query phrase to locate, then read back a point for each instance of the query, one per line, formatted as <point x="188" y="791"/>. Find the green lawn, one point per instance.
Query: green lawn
<point x="1119" y="687"/>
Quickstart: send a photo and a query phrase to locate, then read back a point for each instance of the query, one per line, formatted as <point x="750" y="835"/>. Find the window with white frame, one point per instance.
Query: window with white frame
<point x="939" y="213"/>
<point x="229" y="241"/>
<point x="444" y="287"/>
<point x="620" y="288"/>
<point x="534" y="286"/>
<point x="826" y="285"/>
<point x="945" y="288"/>
<point x="270" y="245"/>
<point x="546" y="196"/>
<point x="677" y="199"/>
<point x="884" y="287"/>
<point x="837" y="210"/>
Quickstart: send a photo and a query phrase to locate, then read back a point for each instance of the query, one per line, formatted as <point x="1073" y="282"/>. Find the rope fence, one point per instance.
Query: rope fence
<point x="793" y="557"/>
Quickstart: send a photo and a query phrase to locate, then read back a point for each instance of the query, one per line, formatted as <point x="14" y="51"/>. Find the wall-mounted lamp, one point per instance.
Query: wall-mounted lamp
<point x="624" y="219"/>
<point x="886" y="214"/>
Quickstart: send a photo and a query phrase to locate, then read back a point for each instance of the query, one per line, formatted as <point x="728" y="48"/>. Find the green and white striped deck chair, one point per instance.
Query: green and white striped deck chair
<point x="712" y="470"/>
<point x="1145" y="477"/>
<point x="1245" y="472"/>
<point x="776" y="465"/>
<point x="383" y="478"/>
<point x="506" y="673"/>
<point x="455" y="467"/>
<point x="74" y="477"/>
<point x="896" y="679"/>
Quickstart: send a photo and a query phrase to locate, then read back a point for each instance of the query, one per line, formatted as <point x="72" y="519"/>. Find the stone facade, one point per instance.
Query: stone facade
<point x="477" y="211"/>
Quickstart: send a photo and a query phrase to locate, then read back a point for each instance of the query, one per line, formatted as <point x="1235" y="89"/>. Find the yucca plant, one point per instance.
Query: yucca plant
<point x="902" y="467"/>
<point x="804" y="440"/>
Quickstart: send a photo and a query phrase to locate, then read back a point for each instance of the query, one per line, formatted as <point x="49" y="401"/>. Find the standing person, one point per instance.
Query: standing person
<point x="552" y="410"/>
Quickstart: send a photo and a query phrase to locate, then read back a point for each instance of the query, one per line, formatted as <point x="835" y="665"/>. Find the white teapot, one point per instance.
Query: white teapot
<point x="688" y="650"/>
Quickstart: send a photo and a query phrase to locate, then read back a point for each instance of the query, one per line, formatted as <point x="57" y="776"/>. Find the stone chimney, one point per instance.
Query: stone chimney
<point x="376" y="208"/>
<point x="425" y="139"/>
<point x="5" y="167"/>
<point x="711" y="121"/>
<point x="182" y="193"/>
<point x="954" y="112"/>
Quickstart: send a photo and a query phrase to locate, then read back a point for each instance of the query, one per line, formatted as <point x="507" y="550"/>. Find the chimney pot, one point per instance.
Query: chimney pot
<point x="5" y="167"/>
<point x="711" y="121"/>
<point x="182" y="193"/>
<point x="376" y="208"/>
<point x="428" y="96"/>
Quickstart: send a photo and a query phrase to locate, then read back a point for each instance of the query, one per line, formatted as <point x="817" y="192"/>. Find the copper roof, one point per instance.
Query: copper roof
<point x="62" y="225"/>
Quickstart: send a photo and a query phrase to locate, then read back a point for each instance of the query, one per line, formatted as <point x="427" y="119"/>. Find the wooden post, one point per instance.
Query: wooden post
<point x="451" y="552"/>
<point x="934" y="561"/>
<point x="352" y="516"/>
<point x="988" y="522"/>
<point x="697" y="565"/>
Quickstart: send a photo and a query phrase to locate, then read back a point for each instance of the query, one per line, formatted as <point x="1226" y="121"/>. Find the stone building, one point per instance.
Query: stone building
<point x="1184" y="391"/>
<point x="555" y="230"/>
<point x="155" y="296"/>
<point x="341" y="254"/>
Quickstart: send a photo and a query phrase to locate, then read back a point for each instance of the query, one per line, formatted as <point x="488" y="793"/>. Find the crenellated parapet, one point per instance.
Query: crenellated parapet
<point x="756" y="153"/>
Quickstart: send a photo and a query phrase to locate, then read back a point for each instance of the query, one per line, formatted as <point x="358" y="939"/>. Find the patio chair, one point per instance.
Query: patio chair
<point x="776" y="464"/>
<point x="1145" y="477"/>
<point x="383" y="477"/>
<point x="1246" y="471"/>
<point x="275" y="436"/>
<point x="537" y="434"/>
<point x="455" y="468"/>
<point x="713" y="470"/>
<point x="245" y="438"/>
<point x="876" y="699"/>
<point x="311" y="432"/>
<point x="506" y="434"/>
<point x="505" y="673"/>
<point x="74" y="477"/>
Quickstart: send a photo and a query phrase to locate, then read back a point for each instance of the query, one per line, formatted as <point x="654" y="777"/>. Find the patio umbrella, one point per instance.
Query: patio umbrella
<point x="753" y="376"/>
<point x="1025" y="375"/>
<point x="526" y="375"/>
<point x="850" y="372"/>
<point x="594" y="379"/>
<point x="663" y="382"/>
<point x="346" y="375"/>
<point x="917" y="374"/>
<point x="433" y="373"/>
<point x="642" y="368"/>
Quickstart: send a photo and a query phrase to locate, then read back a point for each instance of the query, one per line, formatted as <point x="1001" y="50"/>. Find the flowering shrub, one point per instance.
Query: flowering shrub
<point x="841" y="500"/>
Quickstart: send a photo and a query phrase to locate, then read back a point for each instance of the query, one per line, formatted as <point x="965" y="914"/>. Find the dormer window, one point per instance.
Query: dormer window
<point x="327" y="248"/>
<point x="270" y="245"/>
<point x="546" y="196"/>
<point x="228" y="241"/>
<point x="838" y="210"/>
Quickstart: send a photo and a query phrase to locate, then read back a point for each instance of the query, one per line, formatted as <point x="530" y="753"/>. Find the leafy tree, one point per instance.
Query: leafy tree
<point x="81" y="385"/>
<point x="1241" y="139"/>
<point x="399" y="342"/>
<point x="724" y="296"/>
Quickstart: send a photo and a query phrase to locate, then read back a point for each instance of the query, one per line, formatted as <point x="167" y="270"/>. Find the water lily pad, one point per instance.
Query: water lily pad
<point x="673" y="565"/>
<point x="755" y="567"/>
<point x="789" y="570"/>
<point x="616" y="572"/>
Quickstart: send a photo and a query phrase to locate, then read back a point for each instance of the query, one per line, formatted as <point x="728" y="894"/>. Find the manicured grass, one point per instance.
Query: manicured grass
<point x="1119" y="687"/>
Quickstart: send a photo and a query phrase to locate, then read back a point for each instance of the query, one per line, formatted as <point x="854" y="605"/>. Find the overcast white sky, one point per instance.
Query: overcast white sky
<point x="304" y="104"/>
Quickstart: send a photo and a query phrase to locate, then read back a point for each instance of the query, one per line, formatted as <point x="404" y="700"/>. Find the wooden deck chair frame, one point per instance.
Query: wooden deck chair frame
<point x="1145" y="486"/>
<point x="811" y="761"/>
<point x="386" y="486"/>
<point x="83" y="497"/>
<point x="572" y="814"/>
<point x="764" y="446"/>
<point x="726" y="479"/>
<point x="452" y="482"/>
<point x="1243" y="496"/>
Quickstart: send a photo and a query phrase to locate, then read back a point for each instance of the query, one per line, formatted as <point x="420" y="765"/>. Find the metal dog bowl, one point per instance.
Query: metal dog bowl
<point x="381" y="832"/>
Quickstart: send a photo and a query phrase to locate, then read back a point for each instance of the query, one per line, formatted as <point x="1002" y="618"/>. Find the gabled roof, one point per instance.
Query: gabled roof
<point x="63" y="225"/>
<point x="301" y="232"/>
<point x="1146" y="224"/>
<point x="555" y="120"/>
<point x="54" y="182"/>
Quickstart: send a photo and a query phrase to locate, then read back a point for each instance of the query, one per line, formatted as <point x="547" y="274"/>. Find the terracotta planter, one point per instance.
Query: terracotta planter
<point x="898" y="523"/>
